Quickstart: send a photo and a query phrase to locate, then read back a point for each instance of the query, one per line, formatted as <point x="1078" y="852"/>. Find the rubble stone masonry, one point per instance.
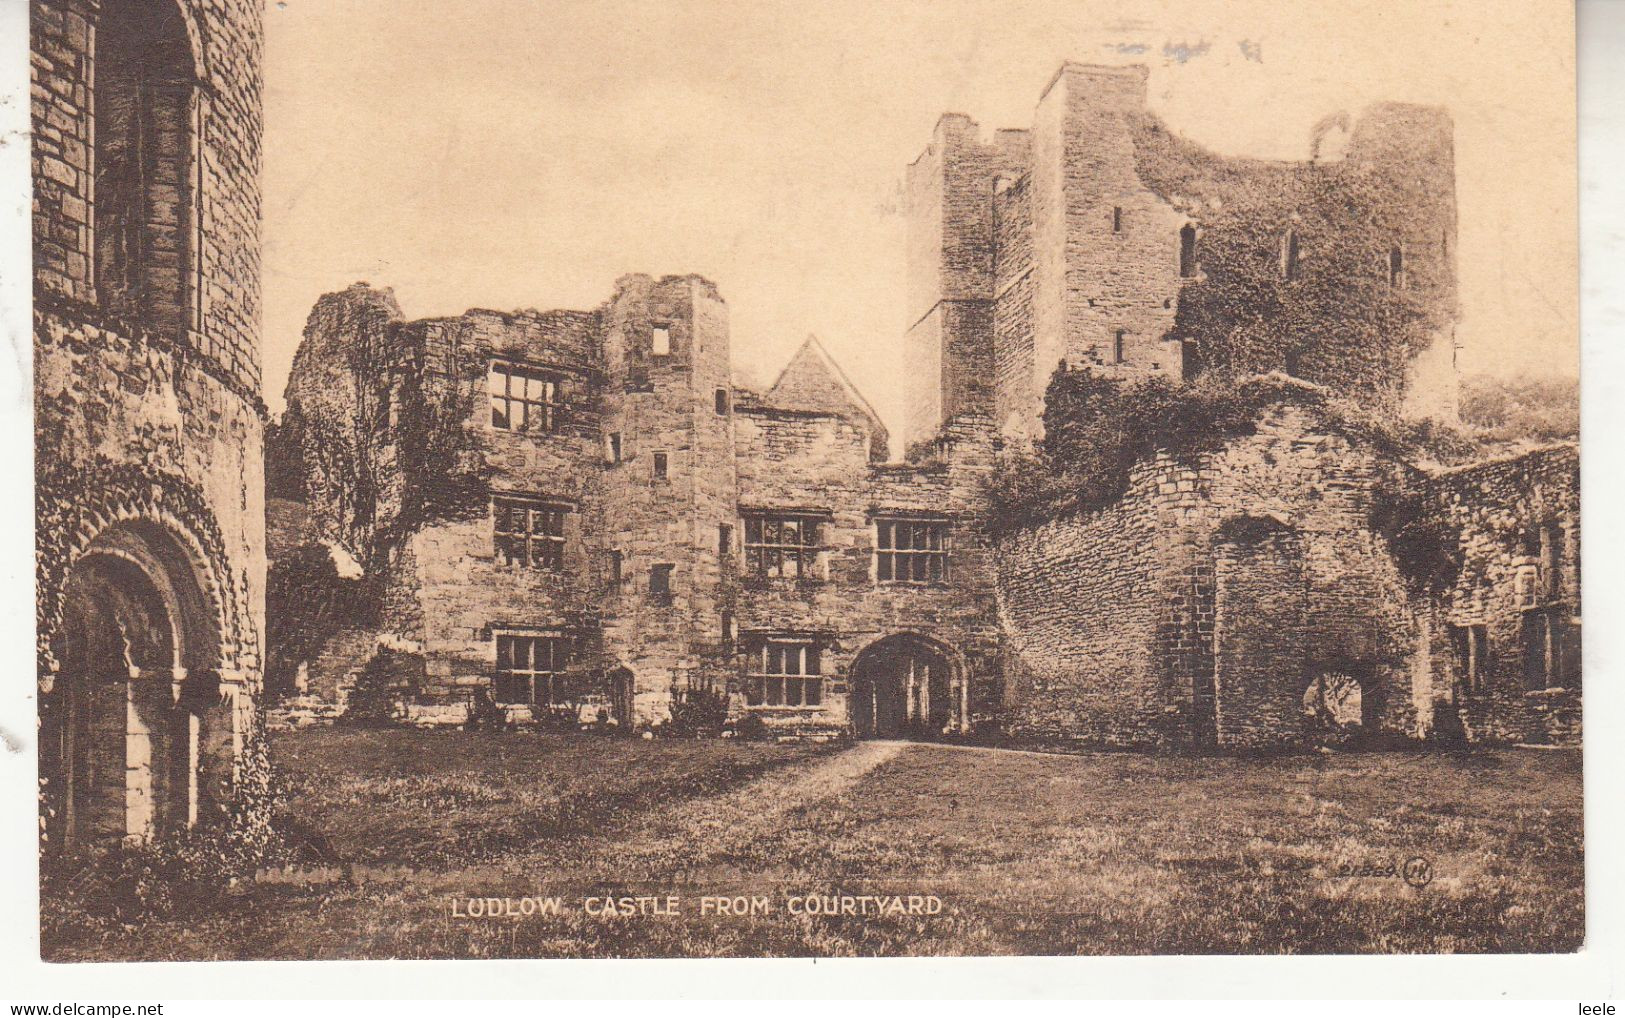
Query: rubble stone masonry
<point x="149" y="476"/>
<point x="1298" y="581"/>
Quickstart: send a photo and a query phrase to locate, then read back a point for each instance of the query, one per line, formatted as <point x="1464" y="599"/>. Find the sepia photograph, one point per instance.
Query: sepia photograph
<point x="570" y="480"/>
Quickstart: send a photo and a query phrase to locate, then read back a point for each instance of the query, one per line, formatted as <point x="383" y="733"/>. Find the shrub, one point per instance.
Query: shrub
<point x="381" y="686"/>
<point x="698" y="711"/>
<point x="1096" y="429"/>
<point x="483" y="712"/>
<point x="184" y="875"/>
<point x="1530" y="409"/>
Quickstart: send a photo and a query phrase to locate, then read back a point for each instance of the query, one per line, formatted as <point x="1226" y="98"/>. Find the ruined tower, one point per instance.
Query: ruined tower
<point x="148" y="419"/>
<point x="1098" y="240"/>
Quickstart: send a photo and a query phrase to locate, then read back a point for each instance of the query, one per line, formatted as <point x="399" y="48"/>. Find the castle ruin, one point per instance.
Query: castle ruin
<point x="572" y="517"/>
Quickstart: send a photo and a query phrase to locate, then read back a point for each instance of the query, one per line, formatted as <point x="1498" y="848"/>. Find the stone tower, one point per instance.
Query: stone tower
<point x="1098" y="240"/>
<point x="148" y="418"/>
<point x="669" y="493"/>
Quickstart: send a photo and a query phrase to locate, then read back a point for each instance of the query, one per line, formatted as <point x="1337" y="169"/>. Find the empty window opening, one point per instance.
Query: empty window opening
<point x="616" y="565"/>
<point x="1117" y="346"/>
<point x="1396" y="267"/>
<point x="612" y="447"/>
<point x="1551" y="560"/>
<point x="781" y="545"/>
<point x="1542" y="650"/>
<point x="660" y="581"/>
<point x="1472" y="648"/>
<point x="529" y="532"/>
<point x="660" y="462"/>
<point x="660" y="341"/>
<point x="1291" y="254"/>
<point x="722" y="402"/>
<point x="725" y="539"/>
<point x="522" y="398"/>
<point x="1117" y="219"/>
<point x="145" y="241"/>
<point x="530" y="670"/>
<point x="912" y="551"/>
<point x="1187" y="251"/>
<point x="727" y="632"/>
<point x="785" y="673"/>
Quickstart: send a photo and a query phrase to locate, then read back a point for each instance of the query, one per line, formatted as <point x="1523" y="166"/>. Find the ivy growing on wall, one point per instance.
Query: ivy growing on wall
<point x="1097" y="429"/>
<point x="1336" y="317"/>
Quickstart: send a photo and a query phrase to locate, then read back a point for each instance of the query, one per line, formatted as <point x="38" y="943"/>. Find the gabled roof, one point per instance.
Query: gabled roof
<point x="813" y="381"/>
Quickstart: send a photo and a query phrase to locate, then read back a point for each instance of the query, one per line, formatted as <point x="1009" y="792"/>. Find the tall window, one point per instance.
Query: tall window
<point x="722" y="402"/>
<point x="529" y="532"/>
<point x="1472" y="646"/>
<point x="1541" y="648"/>
<point x="523" y="398"/>
<point x="785" y="673"/>
<point x="660" y="340"/>
<point x="1290" y="255"/>
<point x="1396" y="267"/>
<point x="1117" y="219"/>
<point x="145" y="242"/>
<point x="725" y="539"/>
<point x="616" y="565"/>
<point x="612" y="447"/>
<point x="661" y="462"/>
<point x="529" y="669"/>
<point x="1187" y="251"/>
<point x="781" y="545"/>
<point x="912" y="551"/>
<point x="1117" y="346"/>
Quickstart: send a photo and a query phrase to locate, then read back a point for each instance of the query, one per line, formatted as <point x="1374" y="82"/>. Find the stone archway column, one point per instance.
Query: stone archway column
<point x="140" y="793"/>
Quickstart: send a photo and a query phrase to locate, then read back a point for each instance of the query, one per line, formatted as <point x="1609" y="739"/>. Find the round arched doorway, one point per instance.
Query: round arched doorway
<point x="137" y="654"/>
<point x="905" y="685"/>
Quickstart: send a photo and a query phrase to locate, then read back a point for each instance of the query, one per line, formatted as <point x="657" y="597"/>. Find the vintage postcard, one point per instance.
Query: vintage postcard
<point x="632" y="479"/>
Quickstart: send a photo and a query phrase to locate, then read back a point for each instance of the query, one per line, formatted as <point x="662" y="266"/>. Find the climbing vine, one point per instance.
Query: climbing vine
<point x="1337" y="318"/>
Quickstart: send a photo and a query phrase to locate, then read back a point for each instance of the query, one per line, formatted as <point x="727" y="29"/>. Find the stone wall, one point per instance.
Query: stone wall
<point x="148" y="426"/>
<point x="1519" y="525"/>
<point x="1160" y="618"/>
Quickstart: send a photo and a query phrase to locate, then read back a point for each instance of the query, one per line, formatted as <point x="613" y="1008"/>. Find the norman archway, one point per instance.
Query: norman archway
<point x="134" y="725"/>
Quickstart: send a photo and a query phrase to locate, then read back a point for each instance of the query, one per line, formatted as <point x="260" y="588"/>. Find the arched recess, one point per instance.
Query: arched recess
<point x="1261" y="636"/>
<point x="135" y="698"/>
<point x="123" y="550"/>
<point x="149" y="108"/>
<point x="908" y="684"/>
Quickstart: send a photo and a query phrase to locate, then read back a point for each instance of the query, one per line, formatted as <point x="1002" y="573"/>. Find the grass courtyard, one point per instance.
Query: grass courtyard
<point x="1027" y="853"/>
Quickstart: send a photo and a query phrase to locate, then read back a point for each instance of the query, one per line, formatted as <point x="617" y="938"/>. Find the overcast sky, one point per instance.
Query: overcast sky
<point x="508" y="154"/>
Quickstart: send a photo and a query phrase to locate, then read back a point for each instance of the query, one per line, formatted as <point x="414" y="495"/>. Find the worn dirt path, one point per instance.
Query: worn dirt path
<point x="715" y="828"/>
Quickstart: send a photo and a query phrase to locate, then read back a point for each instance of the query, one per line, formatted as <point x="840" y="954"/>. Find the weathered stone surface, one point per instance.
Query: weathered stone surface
<point x="148" y="417"/>
<point x="1261" y="593"/>
<point x="1063" y="244"/>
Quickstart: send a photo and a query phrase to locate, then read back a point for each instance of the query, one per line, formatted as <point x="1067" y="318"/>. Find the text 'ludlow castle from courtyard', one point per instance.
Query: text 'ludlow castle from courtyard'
<point x="571" y="517"/>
